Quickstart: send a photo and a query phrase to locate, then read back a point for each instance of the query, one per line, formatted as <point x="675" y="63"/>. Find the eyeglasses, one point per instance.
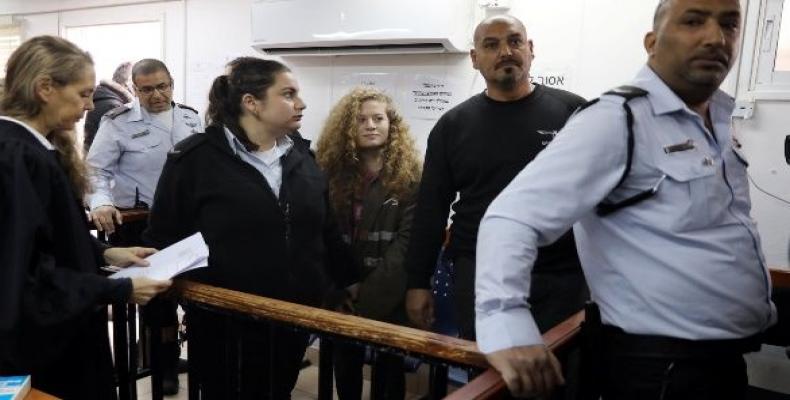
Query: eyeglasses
<point x="162" y="88"/>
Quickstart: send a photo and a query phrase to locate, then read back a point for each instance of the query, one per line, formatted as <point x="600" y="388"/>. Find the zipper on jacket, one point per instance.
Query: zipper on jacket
<point x="284" y="205"/>
<point x="286" y="209"/>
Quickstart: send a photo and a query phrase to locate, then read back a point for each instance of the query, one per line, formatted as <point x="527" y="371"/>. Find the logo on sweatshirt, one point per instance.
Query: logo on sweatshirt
<point x="546" y="136"/>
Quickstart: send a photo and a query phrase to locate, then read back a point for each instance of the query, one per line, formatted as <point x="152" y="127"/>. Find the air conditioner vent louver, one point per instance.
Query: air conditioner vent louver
<point x="426" y="48"/>
<point x="340" y="27"/>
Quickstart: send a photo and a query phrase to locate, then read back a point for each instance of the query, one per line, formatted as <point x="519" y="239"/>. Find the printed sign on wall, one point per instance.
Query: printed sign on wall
<point x="428" y="97"/>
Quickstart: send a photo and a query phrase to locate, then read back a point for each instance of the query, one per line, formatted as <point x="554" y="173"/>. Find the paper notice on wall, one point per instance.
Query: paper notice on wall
<point x="428" y="97"/>
<point x="383" y="81"/>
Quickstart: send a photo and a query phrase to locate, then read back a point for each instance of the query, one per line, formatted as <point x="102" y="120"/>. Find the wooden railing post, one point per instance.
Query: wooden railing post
<point x="437" y="381"/>
<point x="121" y="347"/>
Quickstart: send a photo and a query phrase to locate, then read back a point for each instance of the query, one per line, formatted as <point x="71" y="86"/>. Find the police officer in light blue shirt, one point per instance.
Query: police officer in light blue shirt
<point x="131" y="145"/>
<point x="126" y="159"/>
<point x="671" y="255"/>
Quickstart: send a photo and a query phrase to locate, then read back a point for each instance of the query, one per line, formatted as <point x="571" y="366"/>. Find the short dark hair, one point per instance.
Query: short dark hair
<point x="149" y="66"/>
<point x="658" y="15"/>
<point x="122" y="73"/>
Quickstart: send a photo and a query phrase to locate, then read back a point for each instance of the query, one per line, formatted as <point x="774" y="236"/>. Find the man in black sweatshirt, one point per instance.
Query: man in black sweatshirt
<point x="473" y="152"/>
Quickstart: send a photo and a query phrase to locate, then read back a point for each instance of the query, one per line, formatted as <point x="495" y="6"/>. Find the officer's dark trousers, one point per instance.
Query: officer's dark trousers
<point x="638" y="367"/>
<point x="389" y="378"/>
<point x="554" y="296"/>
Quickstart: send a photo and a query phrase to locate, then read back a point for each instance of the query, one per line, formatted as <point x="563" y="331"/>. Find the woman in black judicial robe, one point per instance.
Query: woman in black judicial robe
<point x="52" y="323"/>
<point x="251" y="186"/>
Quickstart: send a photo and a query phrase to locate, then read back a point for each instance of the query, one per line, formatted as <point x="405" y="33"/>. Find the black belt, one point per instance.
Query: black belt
<point x="621" y="343"/>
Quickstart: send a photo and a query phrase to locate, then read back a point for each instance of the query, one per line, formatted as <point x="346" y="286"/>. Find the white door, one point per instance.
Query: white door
<point x="116" y="34"/>
<point x="128" y="33"/>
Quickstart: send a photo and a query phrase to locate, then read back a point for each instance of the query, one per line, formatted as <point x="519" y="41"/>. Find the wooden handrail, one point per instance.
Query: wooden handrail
<point x="130" y="216"/>
<point x="780" y="277"/>
<point x="489" y="385"/>
<point x="433" y="345"/>
<point x="560" y="336"/>
<point x="134" y="215"/>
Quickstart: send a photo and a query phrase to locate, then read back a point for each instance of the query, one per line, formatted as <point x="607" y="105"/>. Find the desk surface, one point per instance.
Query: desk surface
<point x="39" y="395"/>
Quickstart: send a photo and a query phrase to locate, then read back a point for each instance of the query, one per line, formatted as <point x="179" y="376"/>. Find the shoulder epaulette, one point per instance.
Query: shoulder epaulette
<point x="625" y="91"/>
<point x="186" y="107"/>
<point x="115" y="112"/>
<point x="301" y="142"/>
<point x="185" y="146"/>
<point x="628" y="93"/>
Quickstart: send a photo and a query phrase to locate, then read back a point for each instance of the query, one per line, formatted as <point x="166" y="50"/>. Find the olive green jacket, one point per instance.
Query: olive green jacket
<point x="379" y="249"/>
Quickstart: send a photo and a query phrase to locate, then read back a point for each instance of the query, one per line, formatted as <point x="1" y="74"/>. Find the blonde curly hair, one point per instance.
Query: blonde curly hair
<point x="337" y="151"/>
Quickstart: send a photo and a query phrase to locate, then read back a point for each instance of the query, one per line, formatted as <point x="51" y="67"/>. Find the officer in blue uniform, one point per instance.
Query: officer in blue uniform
<point x="656" y="189"/>
<point x="132" y="142"/>
<point x="126" y="158"/>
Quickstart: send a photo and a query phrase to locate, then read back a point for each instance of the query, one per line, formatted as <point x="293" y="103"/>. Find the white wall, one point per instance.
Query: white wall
<point x="762" y="137"/>
<point x="218" y="31"/>
<point x="43" y="6"/>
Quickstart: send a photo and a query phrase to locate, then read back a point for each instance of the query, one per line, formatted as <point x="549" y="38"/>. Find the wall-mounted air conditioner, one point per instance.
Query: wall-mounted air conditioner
<point x="335" y="27"/>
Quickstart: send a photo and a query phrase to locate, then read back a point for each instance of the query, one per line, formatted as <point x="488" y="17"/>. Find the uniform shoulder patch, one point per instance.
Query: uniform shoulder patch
<point x="115" y="112"/>
<point x="629" y="92"/>
<point x="185" y="146"/>
<point x="186" y="107"/>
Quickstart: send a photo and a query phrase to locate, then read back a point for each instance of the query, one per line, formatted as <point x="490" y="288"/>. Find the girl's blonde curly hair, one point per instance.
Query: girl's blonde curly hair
<point x="338" y="157"/>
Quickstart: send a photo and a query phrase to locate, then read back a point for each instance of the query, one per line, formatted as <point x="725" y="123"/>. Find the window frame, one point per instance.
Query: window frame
<point x="762" y="25"/>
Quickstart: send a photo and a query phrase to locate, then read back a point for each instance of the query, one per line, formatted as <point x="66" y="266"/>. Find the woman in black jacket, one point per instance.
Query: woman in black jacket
<point x="250" y="185"/>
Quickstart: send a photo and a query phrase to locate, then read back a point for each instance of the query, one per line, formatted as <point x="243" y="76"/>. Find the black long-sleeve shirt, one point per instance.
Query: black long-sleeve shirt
<point x="474" y="151"/>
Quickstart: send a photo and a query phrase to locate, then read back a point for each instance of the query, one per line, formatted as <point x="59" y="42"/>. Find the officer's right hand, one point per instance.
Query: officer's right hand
<point x="144" y="289"/>
<point x="104" y="217"/>
<point x="528" y="371"/>
<point x="419" y="307"/>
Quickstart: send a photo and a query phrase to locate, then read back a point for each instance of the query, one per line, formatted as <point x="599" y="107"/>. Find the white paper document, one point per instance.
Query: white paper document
<point x="188" y="254"/>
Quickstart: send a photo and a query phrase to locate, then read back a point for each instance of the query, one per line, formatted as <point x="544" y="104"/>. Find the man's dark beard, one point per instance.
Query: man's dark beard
<point x="507" y="82"/>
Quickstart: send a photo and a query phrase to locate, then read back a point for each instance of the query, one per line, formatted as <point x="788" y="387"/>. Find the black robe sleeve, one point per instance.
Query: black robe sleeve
<point x="48" y="264"/>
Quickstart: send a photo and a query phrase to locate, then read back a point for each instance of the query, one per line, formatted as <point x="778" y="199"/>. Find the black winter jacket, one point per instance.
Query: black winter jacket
<point x="107" y="96"/>
<point x="289" y="249"/>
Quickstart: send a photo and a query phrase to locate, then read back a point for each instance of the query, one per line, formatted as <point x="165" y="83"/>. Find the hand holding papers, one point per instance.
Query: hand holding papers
<point x="188" y="254"/>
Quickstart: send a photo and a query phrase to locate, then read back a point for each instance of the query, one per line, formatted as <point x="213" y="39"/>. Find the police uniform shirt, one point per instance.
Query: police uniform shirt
<point x="129" y="152"/>
<point x="685" y="263"/>
<point x="267" y="162"/>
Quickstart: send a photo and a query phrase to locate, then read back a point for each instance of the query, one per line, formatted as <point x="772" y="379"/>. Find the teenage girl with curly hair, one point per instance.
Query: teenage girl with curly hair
<point x="373" y="169"/>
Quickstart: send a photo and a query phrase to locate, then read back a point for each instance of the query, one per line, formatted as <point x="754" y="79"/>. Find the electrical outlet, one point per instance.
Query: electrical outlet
<point x="744" y="109"/>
